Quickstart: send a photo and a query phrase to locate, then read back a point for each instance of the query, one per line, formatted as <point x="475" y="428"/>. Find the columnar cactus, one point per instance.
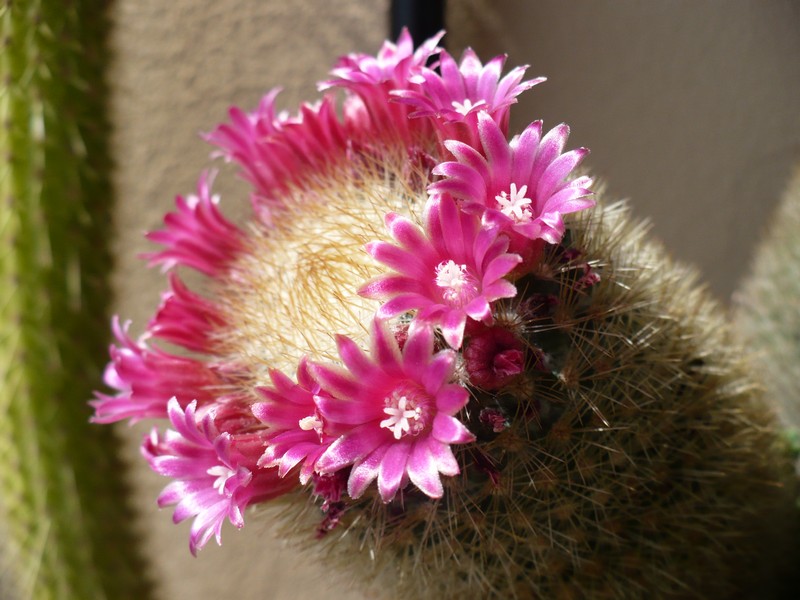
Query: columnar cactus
<point x="458" y="376"/>
<point x="65" y="526"/>
<point x="768" y="306"/>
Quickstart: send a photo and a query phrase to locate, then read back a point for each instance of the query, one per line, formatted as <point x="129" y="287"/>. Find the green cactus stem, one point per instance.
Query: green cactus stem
<point x="68" y="533"/>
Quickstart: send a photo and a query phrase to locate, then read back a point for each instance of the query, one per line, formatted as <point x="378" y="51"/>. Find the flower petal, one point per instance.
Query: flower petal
<point x="392" y="469"/>
<point x="365" y="472"/>
<point x="439" y="371"/>
<point x="417" y="350"/>
<point x="423" y="470"/>
<point x="445" y="460"/>
<point x="335" y="380"/>
<point x="450" y="430"/>
<point x="352" y="356"/>
<point x="351" y="447"/>
<point x="453" y="328"/>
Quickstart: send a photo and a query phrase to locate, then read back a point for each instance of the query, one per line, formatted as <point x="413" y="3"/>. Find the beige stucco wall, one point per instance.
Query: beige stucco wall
<point x="690" y="108"/>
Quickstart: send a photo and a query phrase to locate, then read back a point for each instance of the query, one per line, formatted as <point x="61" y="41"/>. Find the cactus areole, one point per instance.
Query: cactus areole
<point x="491" y="389"/>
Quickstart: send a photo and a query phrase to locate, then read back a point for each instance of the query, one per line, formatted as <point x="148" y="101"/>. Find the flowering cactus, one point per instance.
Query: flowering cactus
<point x="491" y="387"/>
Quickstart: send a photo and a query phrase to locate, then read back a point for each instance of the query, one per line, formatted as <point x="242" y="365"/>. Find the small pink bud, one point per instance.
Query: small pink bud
<point x="588" y="279"/>
<point x="332" y="518"/>
<point x="494" y="419"/>
<point x="330" y="487"/>
<point x="493" y="358"/>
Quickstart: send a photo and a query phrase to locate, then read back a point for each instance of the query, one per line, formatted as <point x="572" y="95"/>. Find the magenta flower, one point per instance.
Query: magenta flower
<point x="197" y="235"/>
<point x="242" y="139"/>
<point x="185" y="318"/>
<point x="398" y="408"/>
<point x="452" y="270"/>
<point x="459" y="91"/>
<point x="146" y="378"/>
<point x="214" y="480"/>
<point x="373" y="119"/>
<point x="277" y="151"/>
<point x="521" y="186"/>
<point x="395" y="63"/>
<point x="297" y="431"/>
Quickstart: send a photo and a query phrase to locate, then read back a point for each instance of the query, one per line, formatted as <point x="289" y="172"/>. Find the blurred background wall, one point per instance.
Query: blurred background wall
<point x="690" y="108"/>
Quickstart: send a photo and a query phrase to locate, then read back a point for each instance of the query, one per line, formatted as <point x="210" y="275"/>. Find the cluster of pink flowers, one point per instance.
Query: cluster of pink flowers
<point x="389" y="415"/>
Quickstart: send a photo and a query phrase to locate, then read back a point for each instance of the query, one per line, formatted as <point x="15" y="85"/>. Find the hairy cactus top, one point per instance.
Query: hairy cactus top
<point x="485" y="399"/>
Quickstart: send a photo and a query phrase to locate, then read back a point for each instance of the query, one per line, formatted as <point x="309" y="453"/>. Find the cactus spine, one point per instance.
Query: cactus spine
<point x="62" y="497"/>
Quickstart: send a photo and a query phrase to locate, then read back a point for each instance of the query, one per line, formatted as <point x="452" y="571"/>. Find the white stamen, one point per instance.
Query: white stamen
<point x="459" y="285"/>
<point x="309" y="423"/>
<point x="451" y="275"/>
<point x="466" y="106"/>
<point x="222" y="474"/>
<point x="515" y="206"/>
<point x="401" y="415"/>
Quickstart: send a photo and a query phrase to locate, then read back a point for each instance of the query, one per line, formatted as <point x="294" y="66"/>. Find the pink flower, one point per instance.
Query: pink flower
<point x="214" y="480"/>
<point x="398" y="408"/>
<point x="372" y="118"/>
<point x="455" y="96"/>
<point x="185" y="318"/>
<point x="240" y="140"/>
<point x="146" y="378"/>
<point x="452" y="270"/>
<point x="394" y="63"/>
<point x="197" y="235"/>
<point x="277" y="151"/>
<point x="521" y="186"/>
<point x="297" y="431"/>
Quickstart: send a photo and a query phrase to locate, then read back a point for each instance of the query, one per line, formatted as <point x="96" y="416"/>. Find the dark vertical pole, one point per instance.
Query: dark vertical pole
<point x="423" y="18"/>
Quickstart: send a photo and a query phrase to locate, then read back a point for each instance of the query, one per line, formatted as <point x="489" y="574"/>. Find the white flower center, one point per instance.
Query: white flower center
<point x="466" y="106"/>
<point x="403" y="415"/>
<point x="222" y="474"/>
<point x="459" y="286"/>
<point x="515" y="205"/>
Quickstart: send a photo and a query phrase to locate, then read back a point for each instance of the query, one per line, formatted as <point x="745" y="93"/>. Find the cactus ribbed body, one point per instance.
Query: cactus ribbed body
<point x="67" y="528"/>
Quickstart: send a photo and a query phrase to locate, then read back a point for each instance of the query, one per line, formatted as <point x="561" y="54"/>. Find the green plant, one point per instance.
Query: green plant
<point x="768" y="306"/>
<point x="62" y="495"/>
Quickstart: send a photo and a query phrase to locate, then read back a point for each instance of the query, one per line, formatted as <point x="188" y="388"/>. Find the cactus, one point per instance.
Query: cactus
<point x="66" y="524"/>
<point x="453" y="375"/>
<point x="768" y="307"/>
<point x="634" y="457"/>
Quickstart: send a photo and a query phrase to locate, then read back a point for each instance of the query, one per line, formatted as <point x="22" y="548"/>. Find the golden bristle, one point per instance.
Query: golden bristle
<point x="296" y="286"/>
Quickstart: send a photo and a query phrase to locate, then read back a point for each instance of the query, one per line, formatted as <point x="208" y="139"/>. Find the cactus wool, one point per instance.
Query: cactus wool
<point x="454" y="391"/>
